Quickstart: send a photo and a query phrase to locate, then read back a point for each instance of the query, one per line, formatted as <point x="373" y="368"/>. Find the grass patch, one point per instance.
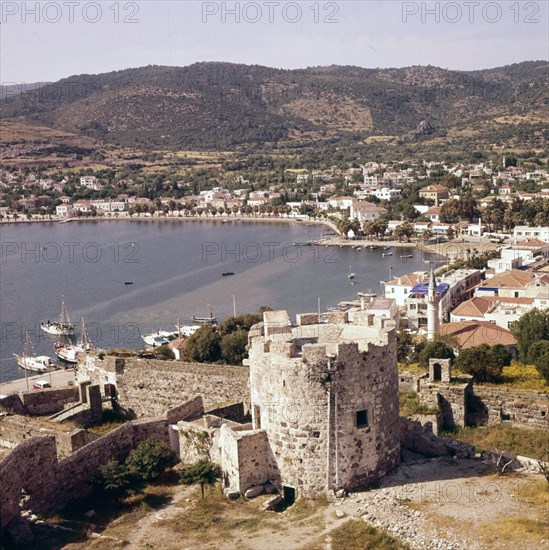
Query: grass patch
<point x="514" y="532"/>
<point x="358" y="535"/>
<point x="534" y="492"/>
<point x="409" y="404"/>
<point x="519" y="376"/>
<point x="412" y="367"/>
<point x="518" y="441"/>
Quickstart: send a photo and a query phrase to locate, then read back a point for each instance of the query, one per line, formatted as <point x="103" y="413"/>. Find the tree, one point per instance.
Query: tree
<point x="450" y="211"/>
<point x="538" y="355"/>
<point x="204" y="345"/>
<point x="204" y="472"/>
<point x="233" y="347"/>
<point x="149" y="459"/>
<point x="530" y="328"/>
<point x="438" y="349"/>
<point x="404" y="230"/>
<point x="405" y="346"/>
<point x="114" y="478"/>
<point x="483" y="362"/>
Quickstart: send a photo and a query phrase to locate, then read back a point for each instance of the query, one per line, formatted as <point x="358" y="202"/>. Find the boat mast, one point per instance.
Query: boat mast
<point x="64" y="318"/>
<point x="26" y="354"/>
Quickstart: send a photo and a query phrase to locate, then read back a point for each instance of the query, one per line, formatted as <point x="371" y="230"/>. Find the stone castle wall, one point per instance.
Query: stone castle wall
<point x="523" y="409"/>
<point x="468" y="404"/>
<point x="40" y="402"/>
<point x="149" y="387"/>
<point x="16" y="429"/>
<point x="51" y="483"/>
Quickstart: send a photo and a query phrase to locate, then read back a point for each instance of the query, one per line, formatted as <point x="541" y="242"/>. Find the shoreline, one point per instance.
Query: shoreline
<point x="330" y="240"/>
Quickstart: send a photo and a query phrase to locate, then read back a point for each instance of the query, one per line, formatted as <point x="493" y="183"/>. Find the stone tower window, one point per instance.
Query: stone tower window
<point x="362" y="419"/>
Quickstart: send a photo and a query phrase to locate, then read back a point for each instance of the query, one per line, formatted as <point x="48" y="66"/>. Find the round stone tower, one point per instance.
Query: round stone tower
<point x="327" y="396"/>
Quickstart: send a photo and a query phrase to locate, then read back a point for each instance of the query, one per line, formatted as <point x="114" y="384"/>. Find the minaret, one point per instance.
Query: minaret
<point x="432" y="307"/>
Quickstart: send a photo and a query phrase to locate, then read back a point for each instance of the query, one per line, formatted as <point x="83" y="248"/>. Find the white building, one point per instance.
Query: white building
<point x="526" y="232"/>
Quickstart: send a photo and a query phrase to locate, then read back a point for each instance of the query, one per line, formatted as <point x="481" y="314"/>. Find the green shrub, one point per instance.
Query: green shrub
<point x="147" y="461"/>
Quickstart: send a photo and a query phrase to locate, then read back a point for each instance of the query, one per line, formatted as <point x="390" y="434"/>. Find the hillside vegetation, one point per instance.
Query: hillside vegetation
<point x="223" y="106"/>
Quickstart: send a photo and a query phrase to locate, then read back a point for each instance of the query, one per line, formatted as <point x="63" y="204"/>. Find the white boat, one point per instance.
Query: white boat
<point x="187" y="330"/>
<point x="159" y="338"/>
<point x="351" y="275"/>
<point x="368" y="294"/>
<point x="387" y="254"/>
<point x="63" y="327"/>
<point x="35" y="363"/>
<point x="68" y="352"/>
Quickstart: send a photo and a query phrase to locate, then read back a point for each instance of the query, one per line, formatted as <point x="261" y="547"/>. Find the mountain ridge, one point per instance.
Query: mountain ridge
<point x="218" y="105"/>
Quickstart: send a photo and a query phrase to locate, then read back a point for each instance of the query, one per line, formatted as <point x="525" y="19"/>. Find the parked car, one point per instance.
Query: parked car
<point x="41" y="384"/>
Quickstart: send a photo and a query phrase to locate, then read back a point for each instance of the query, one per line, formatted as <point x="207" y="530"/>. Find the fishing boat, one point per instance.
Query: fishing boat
<point x="63" y="327"/>
<point x="159" y="338"/>
<point x="210" y="320"/>
<point x="35" y="363"/>
<point x="68" y="351"/>
<point x="406" y="255"/>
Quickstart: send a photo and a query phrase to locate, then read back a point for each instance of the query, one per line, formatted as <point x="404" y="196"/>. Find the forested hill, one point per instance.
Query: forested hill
<point x="221" y="106"/>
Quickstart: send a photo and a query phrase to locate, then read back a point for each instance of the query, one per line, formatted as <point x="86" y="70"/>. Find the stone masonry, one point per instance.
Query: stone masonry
<point x="326" y="394"/>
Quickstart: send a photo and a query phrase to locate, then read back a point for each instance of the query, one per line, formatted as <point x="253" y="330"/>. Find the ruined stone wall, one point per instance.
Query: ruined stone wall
<point x="523" y="409"/>
<point x="48" y="401"/>
<point x="51" y="483"/>
<point x="150" y="387"/>
<point x="452" y="398"/>
<point x="40" y="402"/>
<point x="467" y="404"/>
<point x="32" y="464"/>
<point x="310" y="414"/>
<point x="16" y="429"/>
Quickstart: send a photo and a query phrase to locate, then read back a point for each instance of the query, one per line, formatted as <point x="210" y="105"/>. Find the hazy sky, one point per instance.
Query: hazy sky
<point x="45" y="41"/>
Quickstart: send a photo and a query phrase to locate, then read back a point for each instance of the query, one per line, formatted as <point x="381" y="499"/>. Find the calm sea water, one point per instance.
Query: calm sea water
<point x="176" y="269"/>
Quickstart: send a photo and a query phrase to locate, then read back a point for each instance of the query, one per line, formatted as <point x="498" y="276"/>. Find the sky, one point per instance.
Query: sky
<point x="49" y="40"/>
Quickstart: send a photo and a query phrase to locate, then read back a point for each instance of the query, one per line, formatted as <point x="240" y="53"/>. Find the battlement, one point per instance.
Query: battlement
<point x="312" y="341"/>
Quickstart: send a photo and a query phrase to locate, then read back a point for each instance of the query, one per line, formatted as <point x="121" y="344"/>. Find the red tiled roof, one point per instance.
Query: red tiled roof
<point x="470" y="334"/>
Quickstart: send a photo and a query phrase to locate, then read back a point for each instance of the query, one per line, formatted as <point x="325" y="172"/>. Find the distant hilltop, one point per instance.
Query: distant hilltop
<point x="223" y="106"/>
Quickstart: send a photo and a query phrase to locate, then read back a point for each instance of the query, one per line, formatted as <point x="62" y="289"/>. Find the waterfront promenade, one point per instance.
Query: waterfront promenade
<point x="56" y="378"/>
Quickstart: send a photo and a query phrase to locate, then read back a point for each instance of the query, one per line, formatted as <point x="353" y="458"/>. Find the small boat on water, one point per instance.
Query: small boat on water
<point x="68" y="351"/>
<point x="186" y="330"/>
<point x="227" y="273"/>
<point x="406" y="255"/>
<point x="159" y="338"/>
<point x="210" y="320"/>
<point x="387" y="254"/>
<point x="368" y="294"/>
<point x="128" y="283"/>
<point x="63" y="327"/>
<point x="386" y="248"/>
<point x="351" y="274"/>
<point x="34" y="363"/>
<point x="307" y="243"/>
